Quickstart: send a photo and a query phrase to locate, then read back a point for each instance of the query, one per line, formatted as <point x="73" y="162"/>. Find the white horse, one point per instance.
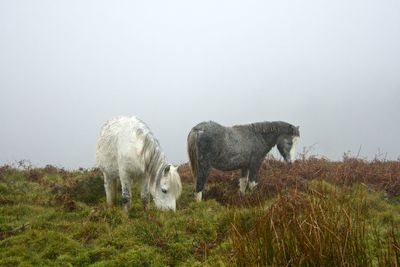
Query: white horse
<point x="127" y="149"/>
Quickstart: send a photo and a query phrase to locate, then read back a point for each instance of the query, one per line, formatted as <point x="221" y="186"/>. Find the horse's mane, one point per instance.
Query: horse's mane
<point x="153" y="156"/>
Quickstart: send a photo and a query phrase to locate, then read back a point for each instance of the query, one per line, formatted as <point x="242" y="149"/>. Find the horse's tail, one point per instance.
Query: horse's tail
<point x="193" y="152"/>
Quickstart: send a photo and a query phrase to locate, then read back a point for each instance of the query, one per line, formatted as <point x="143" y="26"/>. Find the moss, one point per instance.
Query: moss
<point x="36" y="229"/>
<point x="42" y="247"/>
<point x="99" y="254"/>
<point x="141" y="256"/>
<point x="147" y="231"/>
<point x="89" y="189"/>
<point x="111" y="215"/>
<point x="90" y="231"/>
<point x="13" y="216"/>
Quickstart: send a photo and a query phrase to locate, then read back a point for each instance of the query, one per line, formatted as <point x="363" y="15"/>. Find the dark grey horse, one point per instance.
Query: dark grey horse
<point x="241" y="147"/>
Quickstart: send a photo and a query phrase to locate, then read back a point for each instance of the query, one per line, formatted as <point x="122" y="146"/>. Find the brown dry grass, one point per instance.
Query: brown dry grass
<point x="307" y="214"/>
<point x="276" y="177"/>
<point x="318" y="216"/>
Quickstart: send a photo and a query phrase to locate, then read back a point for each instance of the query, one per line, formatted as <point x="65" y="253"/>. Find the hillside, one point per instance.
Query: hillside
<point x="313" y="213"/>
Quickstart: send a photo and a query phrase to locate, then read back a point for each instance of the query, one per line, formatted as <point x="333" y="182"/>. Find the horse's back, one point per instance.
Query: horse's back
<point x="207" y="126"/>
<point x="119" y="146"/>
<point x="220" y="134"/>
<point x="208" y="133"/>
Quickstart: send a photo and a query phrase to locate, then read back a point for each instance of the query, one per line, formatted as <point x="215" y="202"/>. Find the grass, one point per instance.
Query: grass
<point x="315" y="213"/>
<point x="324" y="226"/>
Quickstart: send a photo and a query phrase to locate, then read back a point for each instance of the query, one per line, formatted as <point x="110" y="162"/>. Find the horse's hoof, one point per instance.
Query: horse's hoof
<point x="252" y="185"/>
<point x="127" y="208"/>
<point x="198" y="196"/>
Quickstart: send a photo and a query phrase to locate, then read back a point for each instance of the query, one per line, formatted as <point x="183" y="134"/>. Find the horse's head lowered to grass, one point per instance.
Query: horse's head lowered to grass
<point x="167" y="189"/>
<point x="128" y="152"/>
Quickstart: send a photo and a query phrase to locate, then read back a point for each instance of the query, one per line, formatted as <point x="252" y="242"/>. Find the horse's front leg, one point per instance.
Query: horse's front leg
<point x="252" y="184"/>
<point x="244" y="179"/>
<point x="253" y="175"/>
<point x="145" y="193"/>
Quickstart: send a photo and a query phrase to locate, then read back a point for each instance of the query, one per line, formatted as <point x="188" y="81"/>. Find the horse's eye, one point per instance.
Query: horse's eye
<point x="164" y="191"/>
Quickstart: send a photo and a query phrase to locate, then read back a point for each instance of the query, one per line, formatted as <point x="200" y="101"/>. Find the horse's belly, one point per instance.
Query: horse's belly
<point x="231" y="164"/>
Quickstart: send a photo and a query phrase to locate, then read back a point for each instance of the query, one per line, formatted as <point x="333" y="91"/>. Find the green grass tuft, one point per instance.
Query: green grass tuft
<point x="315" y="213"/>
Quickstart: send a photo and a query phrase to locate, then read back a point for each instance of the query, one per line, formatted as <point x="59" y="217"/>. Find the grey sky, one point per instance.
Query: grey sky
<point x="332" y="67"/>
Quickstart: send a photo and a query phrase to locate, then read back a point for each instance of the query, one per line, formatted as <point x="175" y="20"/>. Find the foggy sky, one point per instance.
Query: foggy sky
<point x="331" y="67"/>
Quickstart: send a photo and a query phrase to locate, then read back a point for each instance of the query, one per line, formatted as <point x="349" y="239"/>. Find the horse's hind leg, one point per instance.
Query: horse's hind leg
<point x="110" y="188"/>
<point x="200" y="182"/>
<point x="243" y="181"/>
<point x="253" y="174"/>
<point x="114" y="190"/>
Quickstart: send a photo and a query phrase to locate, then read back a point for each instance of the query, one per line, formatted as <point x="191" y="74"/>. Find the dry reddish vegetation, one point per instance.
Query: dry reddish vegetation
<point x="276" y="177"/>
<point x="296" y="216"/>
<point x="309" y="223"/>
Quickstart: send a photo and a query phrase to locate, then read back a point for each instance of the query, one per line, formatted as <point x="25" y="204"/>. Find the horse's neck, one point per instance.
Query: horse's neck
<point x="156" y="173"/>
<point x="269" y="141"/>
<point x="161" y="167"/>
<point x="268" y="132"/>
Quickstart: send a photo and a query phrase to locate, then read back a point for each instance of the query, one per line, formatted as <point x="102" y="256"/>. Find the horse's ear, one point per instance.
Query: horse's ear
<point x="166" y="170"/>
